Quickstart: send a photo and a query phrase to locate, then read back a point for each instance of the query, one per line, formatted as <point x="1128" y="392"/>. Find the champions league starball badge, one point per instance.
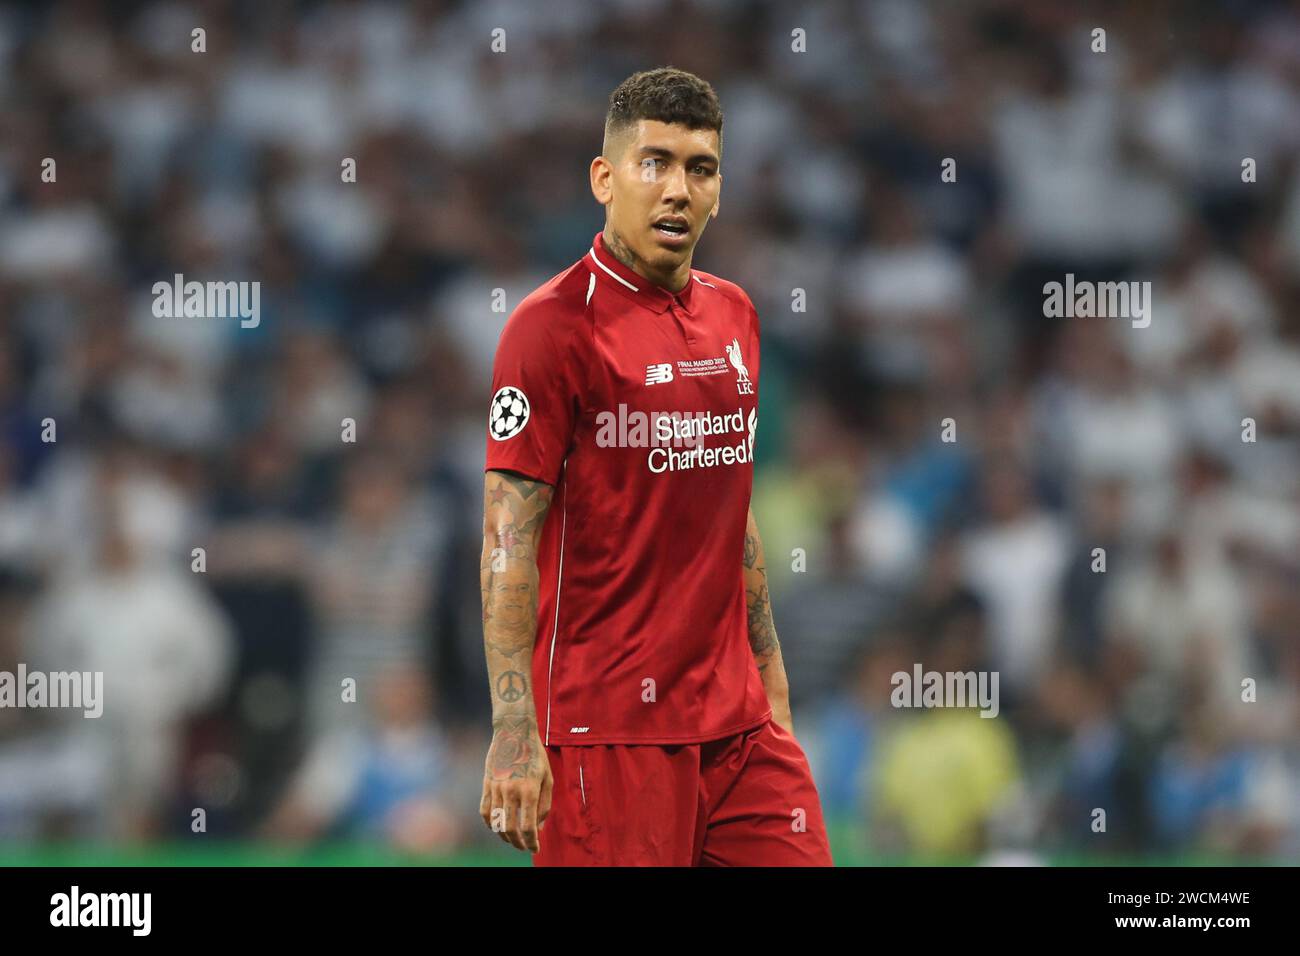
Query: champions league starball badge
<point x="509" y="414"/>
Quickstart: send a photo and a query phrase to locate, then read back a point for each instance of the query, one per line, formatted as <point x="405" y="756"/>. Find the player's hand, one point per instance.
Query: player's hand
<point x="517" y="783"/>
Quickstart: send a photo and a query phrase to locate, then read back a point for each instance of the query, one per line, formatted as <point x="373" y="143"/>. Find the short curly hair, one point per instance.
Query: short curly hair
<point x="668" y="95"/>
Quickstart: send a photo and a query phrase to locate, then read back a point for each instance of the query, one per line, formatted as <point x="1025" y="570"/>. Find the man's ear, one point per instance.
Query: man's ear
<point x="602" y="180"/>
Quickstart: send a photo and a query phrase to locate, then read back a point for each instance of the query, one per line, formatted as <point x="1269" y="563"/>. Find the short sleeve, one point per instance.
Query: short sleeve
<point x="753" y="312"/>
<point x="756" y="330"/>
<point x="535" y="397"/>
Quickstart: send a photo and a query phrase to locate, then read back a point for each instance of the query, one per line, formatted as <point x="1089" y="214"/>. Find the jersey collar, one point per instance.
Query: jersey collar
<point x="634" y="286"/>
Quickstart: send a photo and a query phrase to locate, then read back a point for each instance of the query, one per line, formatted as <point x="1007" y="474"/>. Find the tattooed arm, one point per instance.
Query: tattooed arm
<point x="517" y="778"/>
<point x="762" y="632"/>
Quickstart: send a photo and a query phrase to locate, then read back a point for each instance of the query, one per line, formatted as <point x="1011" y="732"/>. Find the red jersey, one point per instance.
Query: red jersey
<point x="639" y="406"/>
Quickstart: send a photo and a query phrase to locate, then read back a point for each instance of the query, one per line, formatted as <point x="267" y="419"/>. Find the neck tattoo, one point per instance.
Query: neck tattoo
<point x="619" y="250"/>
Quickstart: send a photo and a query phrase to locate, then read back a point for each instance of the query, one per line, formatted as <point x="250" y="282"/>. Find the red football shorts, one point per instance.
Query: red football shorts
<point x="745" y="800"/>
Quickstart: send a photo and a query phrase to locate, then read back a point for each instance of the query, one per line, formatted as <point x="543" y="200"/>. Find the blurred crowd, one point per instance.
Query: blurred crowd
<point x="1106" y="515"/>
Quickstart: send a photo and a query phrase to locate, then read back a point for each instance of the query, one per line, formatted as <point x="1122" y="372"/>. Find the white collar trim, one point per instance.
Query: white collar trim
<point x="596" y="259"/>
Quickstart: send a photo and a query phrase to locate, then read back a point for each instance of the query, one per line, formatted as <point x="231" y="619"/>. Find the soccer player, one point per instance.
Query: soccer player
<point x="640" y="703"/>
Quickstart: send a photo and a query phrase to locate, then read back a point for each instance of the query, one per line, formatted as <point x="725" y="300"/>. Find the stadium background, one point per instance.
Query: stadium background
<point x="1119" y="690"/>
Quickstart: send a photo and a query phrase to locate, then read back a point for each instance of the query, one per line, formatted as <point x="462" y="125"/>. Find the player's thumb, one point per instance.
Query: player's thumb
<point x="544" y="800"/>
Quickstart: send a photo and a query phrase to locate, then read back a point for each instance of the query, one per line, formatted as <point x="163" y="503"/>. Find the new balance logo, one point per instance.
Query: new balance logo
<point x="658" y="374"/>
<point x="579" y="730"/>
